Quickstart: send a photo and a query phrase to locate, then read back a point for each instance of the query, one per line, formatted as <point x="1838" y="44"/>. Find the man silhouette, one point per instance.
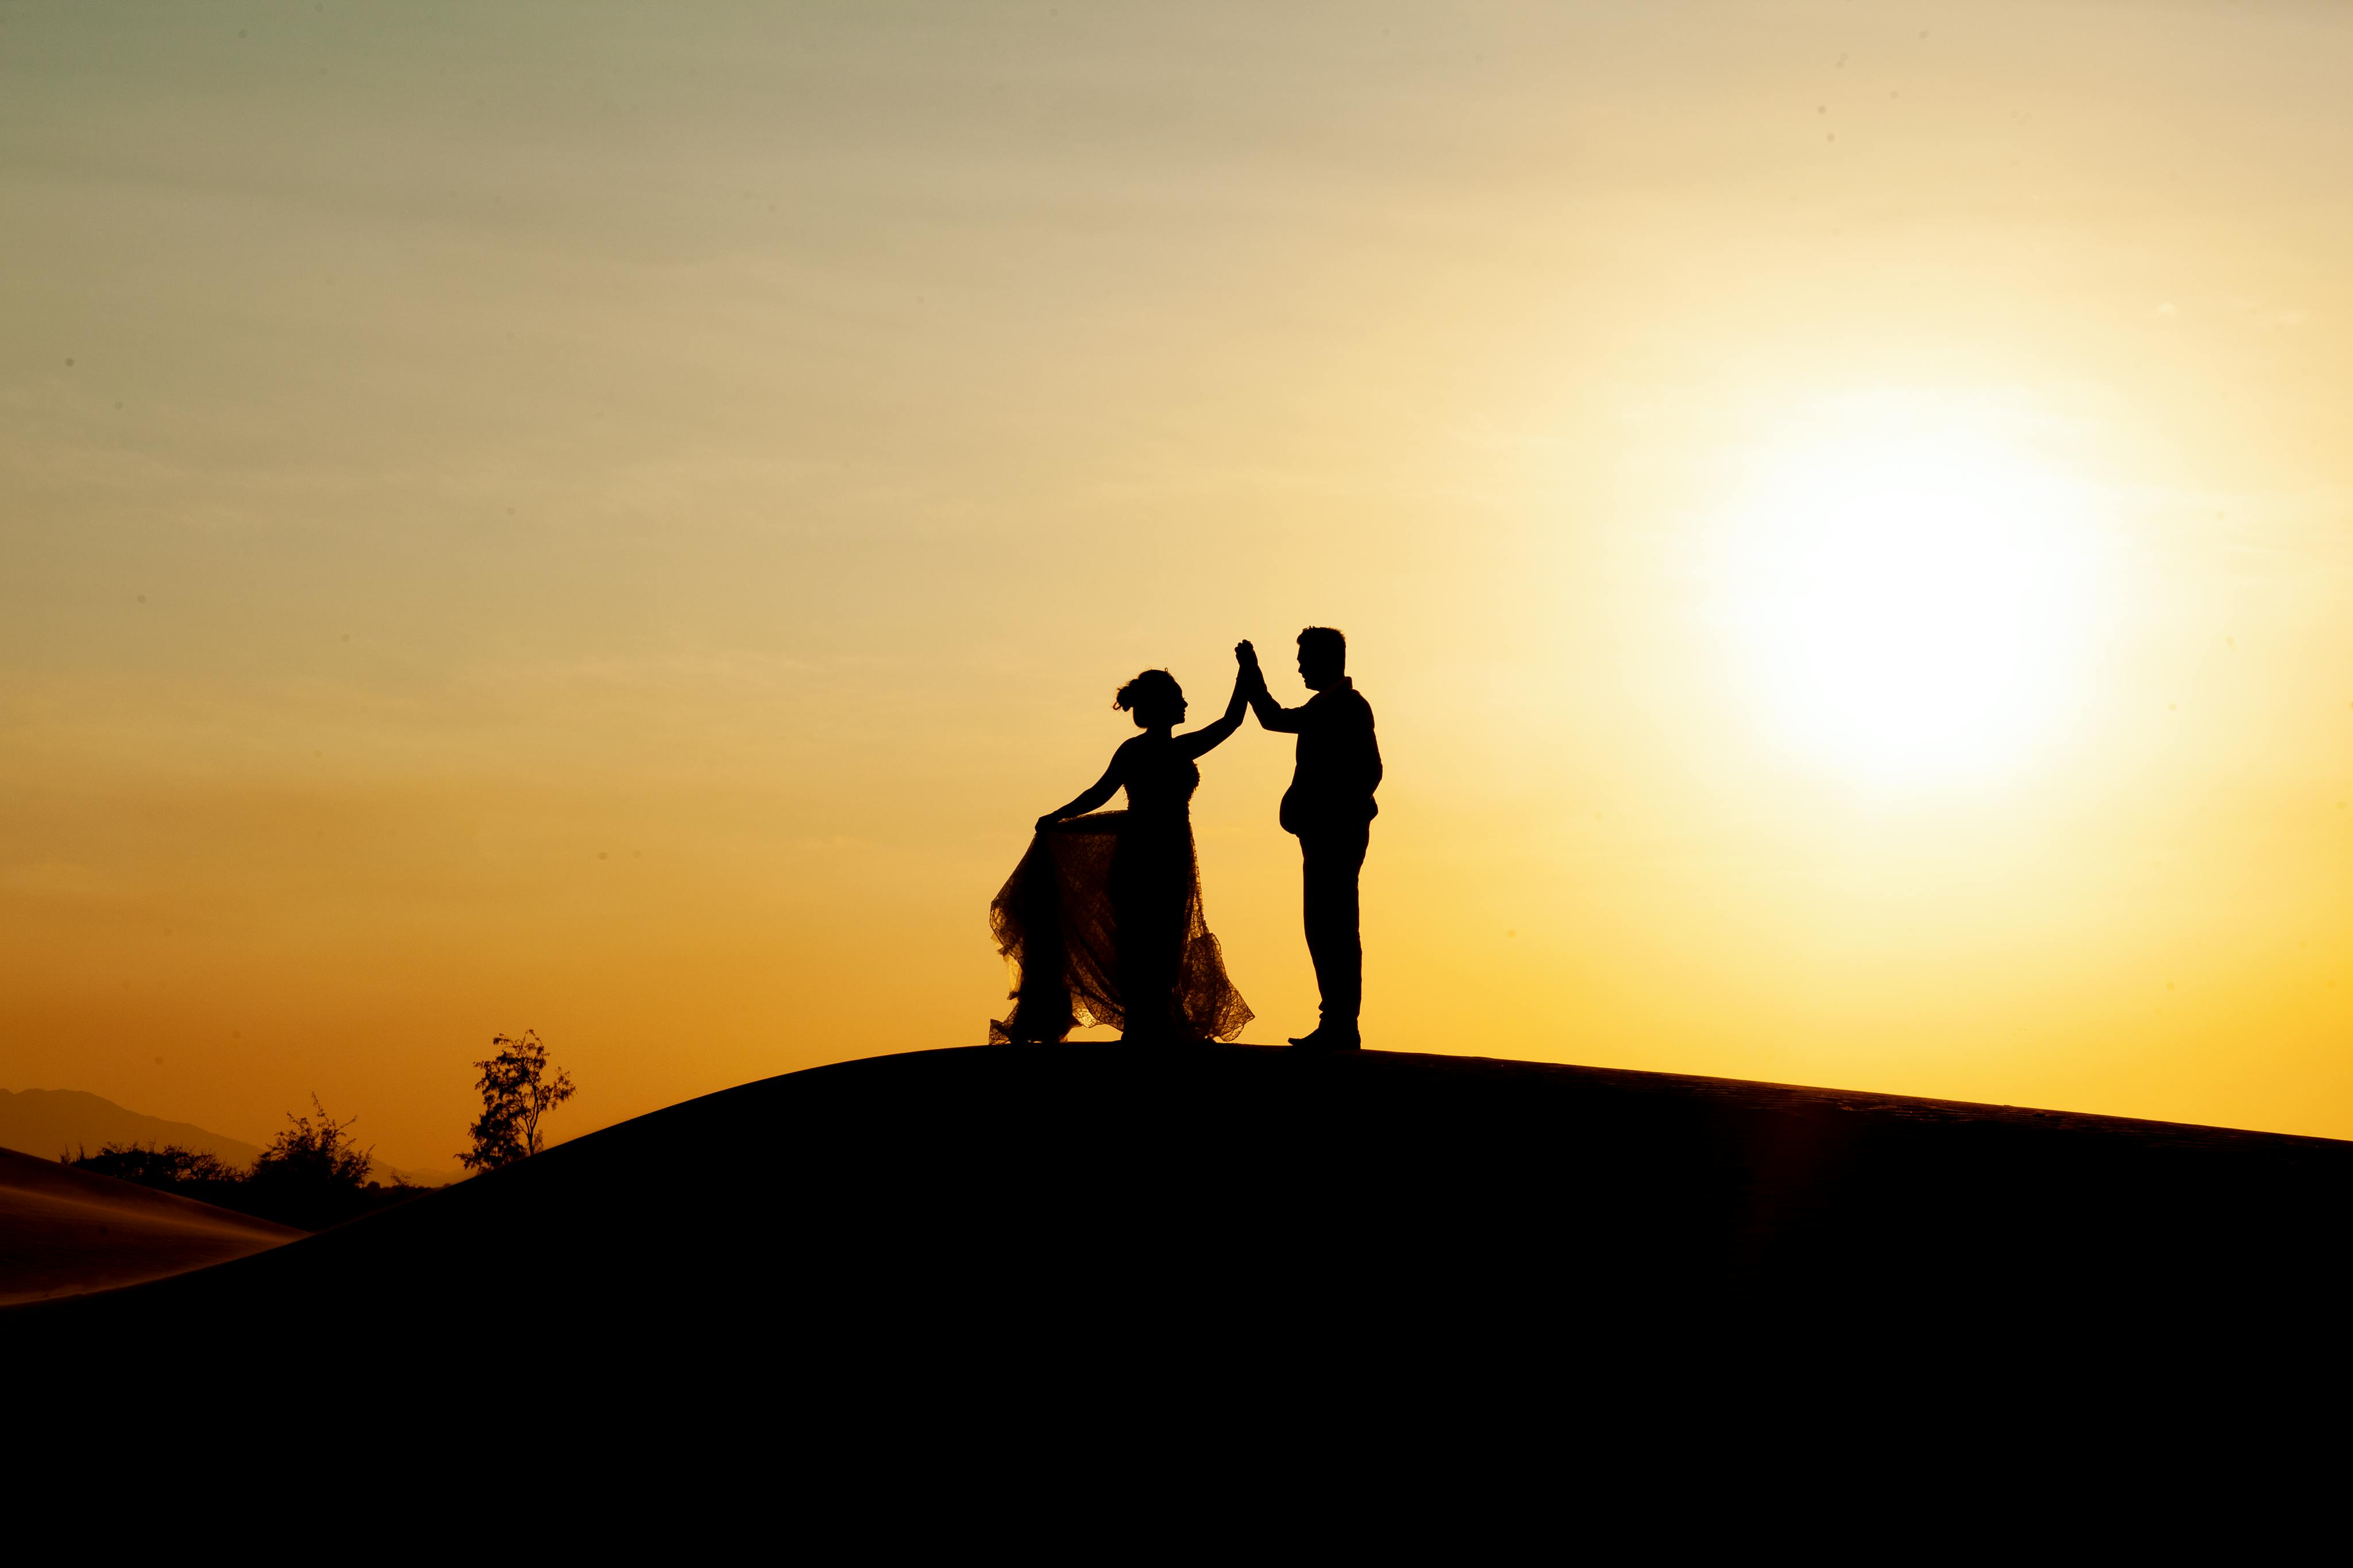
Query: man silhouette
<point x="1329" y="806"/>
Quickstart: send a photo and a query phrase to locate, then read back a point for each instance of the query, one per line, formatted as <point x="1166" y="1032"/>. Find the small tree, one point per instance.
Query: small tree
<point x="516" y="1092"/>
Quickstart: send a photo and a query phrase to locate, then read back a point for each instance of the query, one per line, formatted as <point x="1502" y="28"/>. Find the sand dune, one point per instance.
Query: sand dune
<point x="979" y="1225"/>
<point x="64" y="1231"/>
<point x="1264" y="1258"/>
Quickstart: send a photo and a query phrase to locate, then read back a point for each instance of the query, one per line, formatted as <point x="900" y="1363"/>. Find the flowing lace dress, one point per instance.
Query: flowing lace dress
<point x="1102" y="921"/>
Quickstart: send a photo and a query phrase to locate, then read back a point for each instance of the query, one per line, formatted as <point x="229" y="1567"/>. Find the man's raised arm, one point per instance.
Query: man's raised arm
<point x="1271" y="715"/>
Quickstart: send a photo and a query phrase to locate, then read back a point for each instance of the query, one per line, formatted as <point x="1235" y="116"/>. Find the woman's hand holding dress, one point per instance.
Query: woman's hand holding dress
<point x="1093" y="795"/>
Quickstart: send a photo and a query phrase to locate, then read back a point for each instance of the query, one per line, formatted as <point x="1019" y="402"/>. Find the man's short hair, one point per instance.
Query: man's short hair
<point x="1325" y="643"/>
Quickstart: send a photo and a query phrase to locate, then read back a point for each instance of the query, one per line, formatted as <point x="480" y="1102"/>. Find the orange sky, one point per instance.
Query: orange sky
<point x="614" y="521"/>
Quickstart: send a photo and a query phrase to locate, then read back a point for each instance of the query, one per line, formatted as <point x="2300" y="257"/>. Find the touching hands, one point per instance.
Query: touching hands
<point x="1247" y="656"/>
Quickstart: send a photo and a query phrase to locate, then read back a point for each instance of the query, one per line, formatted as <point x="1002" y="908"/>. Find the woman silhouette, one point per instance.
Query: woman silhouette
<point x="1102" y="918"/>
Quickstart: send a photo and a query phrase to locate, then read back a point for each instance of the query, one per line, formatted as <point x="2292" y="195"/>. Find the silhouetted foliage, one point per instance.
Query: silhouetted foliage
<point x="311" y="1175"/>
<point x="166" y="1166"/>
<point x="323" y="1155"/>
<point x="516" y="1094"/>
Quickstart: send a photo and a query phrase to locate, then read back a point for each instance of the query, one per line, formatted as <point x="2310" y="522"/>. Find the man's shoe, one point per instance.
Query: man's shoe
<point x="1324" y="1039"/>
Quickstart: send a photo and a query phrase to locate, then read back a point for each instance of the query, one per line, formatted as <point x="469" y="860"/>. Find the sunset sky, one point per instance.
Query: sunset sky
<point x="614" y="520"/>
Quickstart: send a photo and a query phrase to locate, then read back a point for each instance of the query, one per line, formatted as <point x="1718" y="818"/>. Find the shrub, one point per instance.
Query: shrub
<point x="311" y="1175"/>
<point x="164" y="1165"/>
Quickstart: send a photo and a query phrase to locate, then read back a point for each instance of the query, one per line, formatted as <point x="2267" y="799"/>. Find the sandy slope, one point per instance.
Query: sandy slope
<point x="954" y="1230"/>
<point x="63" y="1231"/>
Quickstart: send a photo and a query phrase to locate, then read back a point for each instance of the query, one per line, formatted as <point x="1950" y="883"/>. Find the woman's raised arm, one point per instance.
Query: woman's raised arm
<point x="1208" y="735"/>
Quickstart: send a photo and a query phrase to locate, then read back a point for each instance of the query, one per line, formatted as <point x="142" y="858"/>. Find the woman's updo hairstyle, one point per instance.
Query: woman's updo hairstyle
<point x="1153" y="691"/>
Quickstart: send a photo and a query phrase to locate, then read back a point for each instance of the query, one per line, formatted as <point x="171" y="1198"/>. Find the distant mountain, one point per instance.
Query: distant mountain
<point x="53" y="1121"/>
<point x="47" y="1122"/>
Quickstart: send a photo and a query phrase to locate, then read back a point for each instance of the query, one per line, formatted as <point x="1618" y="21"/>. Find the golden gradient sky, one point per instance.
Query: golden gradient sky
<point x="614" y="520"/>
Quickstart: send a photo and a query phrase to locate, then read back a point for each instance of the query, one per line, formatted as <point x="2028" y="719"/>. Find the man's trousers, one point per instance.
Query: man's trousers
<point x="1330" y="859"/>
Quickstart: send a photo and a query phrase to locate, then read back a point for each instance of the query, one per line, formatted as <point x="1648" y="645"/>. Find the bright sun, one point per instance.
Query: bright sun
<point x="1910" y="595"/>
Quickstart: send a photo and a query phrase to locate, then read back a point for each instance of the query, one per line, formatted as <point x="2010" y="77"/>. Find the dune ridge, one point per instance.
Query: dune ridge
<point x="934" y="1218"/>
<point x="64" y="1232"/>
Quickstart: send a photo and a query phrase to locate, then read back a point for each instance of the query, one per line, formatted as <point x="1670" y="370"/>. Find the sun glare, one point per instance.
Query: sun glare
<point x="1910" y="596"/>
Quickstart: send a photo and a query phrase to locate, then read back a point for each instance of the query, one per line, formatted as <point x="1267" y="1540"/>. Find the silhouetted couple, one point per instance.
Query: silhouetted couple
<point x="1102" y="918"/>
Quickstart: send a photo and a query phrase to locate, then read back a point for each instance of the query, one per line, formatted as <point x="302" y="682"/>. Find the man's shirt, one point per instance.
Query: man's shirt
<point x="1339" y="764"/>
